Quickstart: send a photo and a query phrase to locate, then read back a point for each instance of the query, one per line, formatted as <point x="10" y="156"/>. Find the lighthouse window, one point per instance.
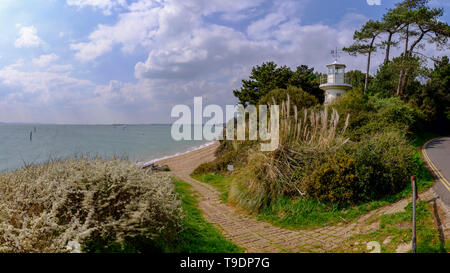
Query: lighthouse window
<point x="330" y="70"/>
<point x="340" y="70"/>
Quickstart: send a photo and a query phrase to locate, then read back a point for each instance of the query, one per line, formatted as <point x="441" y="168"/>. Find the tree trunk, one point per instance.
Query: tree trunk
<point x="416" y="42"/>
<point x="405" y="54"/>
<point x="410" y="52"/>
<point x="388" y="47"/>
<point x="366" y="82"/>
<point x="404" y="81"/>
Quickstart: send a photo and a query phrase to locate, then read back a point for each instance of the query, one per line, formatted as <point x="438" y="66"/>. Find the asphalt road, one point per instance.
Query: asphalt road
<point x="438" y="152"/>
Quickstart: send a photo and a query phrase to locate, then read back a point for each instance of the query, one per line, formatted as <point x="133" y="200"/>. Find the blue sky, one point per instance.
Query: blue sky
<point x="118" y="61"/>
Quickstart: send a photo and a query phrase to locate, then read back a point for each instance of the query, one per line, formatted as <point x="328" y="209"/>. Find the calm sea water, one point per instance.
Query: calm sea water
<point x="138" y="143"/>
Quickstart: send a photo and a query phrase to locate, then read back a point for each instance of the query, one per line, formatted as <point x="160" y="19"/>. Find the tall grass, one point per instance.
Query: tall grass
<point x="314" y="129"/>
<point x="269" y="175"/>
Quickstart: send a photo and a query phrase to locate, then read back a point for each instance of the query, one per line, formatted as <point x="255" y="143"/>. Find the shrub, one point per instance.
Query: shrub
<point x="393" y="110"/>
<point x="297" y="96"/>
<point x="44" y="207"/>
<point x="377" y="166"/>
<point x="334" y="180"/>
<point x="375" y="115"/>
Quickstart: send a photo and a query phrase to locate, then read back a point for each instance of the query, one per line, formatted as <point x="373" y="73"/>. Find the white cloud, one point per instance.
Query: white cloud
<point x="48" y="85"/>
<point x="188" y="56"/>
<point x="28" y="37"/>
<point x="45" y="60"/>
<point x="147" y="22"/>
<point x="104" y="5"/>
<point x="90" y="51"/>
<point x="60" y="67"/>
<point x="283" y="11"/>
<point x="192" y="47"/>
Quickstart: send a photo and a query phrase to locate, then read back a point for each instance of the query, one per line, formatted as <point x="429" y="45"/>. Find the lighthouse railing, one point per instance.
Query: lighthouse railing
<point x="347" y="79"/>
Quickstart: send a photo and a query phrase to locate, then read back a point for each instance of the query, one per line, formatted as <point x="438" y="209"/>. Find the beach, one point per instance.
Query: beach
<point x="186" y="163"/>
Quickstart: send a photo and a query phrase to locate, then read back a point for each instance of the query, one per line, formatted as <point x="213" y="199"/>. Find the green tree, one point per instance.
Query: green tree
<point x="365" y="43"/>
<point x="263" y="79"/>
<point x="269" y="76"/>
<point x="297" y="97"/>
<point x="421" y="24"/>
<point x="434" y="98"/>
<point x="391" y="25"/>
<point x="386" y="79"/>
<point x="358" y="79"/>
<point x="305" y="78"/>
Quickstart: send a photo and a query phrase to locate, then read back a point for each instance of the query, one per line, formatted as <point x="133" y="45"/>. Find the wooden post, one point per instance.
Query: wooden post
<point x="414" y="197"/>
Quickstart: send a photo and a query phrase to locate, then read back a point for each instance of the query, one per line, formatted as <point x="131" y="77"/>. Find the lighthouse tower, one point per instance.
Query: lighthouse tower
<point x="336" y="82"/>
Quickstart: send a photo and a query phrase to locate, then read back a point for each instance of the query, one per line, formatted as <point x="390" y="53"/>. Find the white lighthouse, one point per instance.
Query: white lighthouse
<point x="336" y="82"/>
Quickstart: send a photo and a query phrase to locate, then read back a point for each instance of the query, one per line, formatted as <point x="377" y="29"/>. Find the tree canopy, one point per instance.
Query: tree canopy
<point x="268" y="76"/>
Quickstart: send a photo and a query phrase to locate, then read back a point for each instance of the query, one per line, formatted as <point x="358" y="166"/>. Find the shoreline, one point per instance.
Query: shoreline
<point x="187" y="162"/>
<point x="173" y="157"/>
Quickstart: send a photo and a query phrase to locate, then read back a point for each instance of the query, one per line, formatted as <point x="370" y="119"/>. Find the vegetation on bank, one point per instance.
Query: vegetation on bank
<point x="394" y="232"/>
<point x="303" y="212"/>
<point x="335" y="162"/>
<point x="82" y="205"/>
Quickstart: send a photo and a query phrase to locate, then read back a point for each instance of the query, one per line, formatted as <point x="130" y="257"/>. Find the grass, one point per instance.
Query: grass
<point x="198" y="236"/>
<point x="395" y="229"/>
<point x="218" y="181"/>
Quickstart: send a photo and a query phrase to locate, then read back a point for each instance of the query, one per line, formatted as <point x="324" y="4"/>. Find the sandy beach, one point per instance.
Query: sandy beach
<point x="184" y="164"/>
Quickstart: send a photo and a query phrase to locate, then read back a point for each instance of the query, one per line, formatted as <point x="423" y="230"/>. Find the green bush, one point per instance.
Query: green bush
<point x="371" y="115"/>
<point x="297" y="97"/>
<point x="394" y="110"/>
<point x="334" y="180"/>
<point x="378" y="166"/>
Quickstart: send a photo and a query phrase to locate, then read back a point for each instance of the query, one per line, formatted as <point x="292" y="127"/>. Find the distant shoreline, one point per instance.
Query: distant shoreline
<point x="140" y="145"/>
<point x="172" y="156"/>
<point x="81" y="124"/>
<point x="185" y="163"/>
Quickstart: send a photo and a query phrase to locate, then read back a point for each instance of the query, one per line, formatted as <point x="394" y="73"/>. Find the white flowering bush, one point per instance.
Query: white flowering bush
<point x="58" y="205"/>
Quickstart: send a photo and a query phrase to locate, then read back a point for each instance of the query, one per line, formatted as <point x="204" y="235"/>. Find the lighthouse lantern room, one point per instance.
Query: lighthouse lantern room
<point x="336" y="82"/>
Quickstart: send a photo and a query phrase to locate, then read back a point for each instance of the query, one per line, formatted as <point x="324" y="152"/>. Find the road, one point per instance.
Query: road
<point x="437" y="154"/>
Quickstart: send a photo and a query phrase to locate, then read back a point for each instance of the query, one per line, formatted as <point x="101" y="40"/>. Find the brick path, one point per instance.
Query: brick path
<point x="257" y="236"/>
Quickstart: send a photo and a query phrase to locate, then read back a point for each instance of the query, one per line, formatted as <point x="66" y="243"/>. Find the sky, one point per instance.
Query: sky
<point x="121" y="61"/>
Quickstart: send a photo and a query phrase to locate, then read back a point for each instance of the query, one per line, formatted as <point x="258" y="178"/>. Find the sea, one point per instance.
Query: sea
<point x="25" y="144"/>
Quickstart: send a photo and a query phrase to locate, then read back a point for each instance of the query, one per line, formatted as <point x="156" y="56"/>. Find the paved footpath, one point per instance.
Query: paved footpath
<point x="258" y="236"/>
